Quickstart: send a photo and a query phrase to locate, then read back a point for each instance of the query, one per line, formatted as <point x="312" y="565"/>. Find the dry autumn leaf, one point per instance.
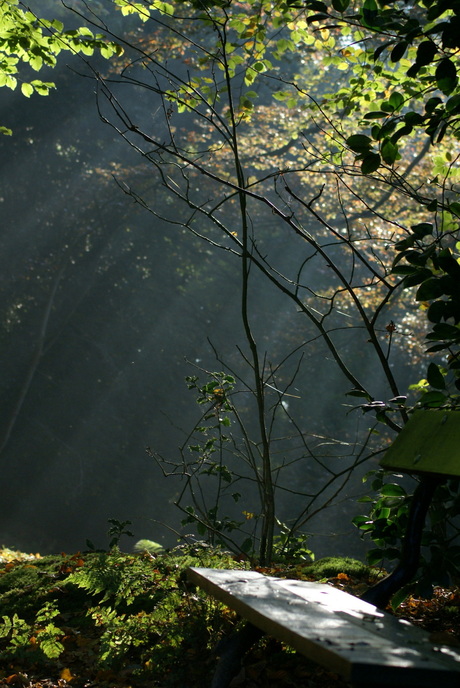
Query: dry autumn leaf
<point x="66" y="674"/>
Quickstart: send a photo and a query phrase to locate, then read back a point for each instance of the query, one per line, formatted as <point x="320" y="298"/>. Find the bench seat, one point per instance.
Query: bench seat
<point x="363" y="644"/>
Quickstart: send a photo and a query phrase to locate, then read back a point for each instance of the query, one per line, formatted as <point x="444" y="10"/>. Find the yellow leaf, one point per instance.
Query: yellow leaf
<point x="66" y="674"/>
<point x="248" y="515"/>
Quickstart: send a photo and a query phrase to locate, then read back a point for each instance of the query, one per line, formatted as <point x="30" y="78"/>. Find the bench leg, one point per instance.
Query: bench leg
<point x="232" y="650"/>
<point x="381" y="593"/>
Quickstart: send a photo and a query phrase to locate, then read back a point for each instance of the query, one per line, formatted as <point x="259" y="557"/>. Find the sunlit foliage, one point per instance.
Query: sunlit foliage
<point x="27" y="39"/>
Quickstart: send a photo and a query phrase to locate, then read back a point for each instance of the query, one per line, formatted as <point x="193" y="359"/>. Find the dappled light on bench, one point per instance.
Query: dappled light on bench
<point x="333" y="628"/>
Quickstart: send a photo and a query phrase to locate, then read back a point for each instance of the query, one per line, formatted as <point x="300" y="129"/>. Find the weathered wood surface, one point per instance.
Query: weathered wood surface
<point x="429" y="443"/>
<point x="337" y="630"/>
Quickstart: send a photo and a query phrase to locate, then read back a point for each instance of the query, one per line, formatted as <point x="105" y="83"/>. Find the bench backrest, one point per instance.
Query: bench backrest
<point x="428" y="443"/>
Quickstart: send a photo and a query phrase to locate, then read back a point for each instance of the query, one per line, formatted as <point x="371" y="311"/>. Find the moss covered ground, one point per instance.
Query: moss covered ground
<point x="124" y="620"/>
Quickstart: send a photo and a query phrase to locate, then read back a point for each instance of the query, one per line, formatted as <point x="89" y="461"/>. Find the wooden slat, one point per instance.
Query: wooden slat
<point x="335" y="629"/>
<point x="429" y="443"/>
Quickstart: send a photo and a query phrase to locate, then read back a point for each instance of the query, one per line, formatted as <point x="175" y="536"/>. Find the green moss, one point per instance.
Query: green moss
<point x="24" y="586"/>
<point x="329" y="567"/>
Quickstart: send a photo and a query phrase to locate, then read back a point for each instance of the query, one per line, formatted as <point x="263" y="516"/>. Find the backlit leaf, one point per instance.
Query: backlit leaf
<point x="429" y="289"/>
<point x="389" y="152"/>
<point x="423" y="229"/>
<point x="27" y="89"/>
<point x="426" y="52"/>
<point x="435" y="377"/>
<point x="340" y="5"/>
<point x="398" y="51"/>
<point x="446" y="76"/>
<point x="436" y="311"/>
<point x="359" y="143"/>
<point x="370" y="163"/>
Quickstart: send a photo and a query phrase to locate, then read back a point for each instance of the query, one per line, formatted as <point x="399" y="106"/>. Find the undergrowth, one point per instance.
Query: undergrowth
<point x="124" y="610"/>
<point x="111" y="618"/>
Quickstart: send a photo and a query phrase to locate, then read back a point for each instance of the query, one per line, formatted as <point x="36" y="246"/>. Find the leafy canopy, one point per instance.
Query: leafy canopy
<point x="405" y="63"/>
<point x="402" y="61"/>
<point x="25" y="38"/>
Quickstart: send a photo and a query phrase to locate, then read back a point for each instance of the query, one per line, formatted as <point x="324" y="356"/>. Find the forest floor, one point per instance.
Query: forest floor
<point x="117" y="620"/>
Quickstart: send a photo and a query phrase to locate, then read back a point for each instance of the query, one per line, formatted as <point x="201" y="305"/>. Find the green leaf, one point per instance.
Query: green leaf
<point x="370" y="13"/>
<point x="340" y="5"/>
<point x="399" y="597"/>
<point x="436" y="348"/>
<point x="316" y="6"/>
<point x="453" y="104"/>
<point x="405" y="130"/>
<point x="389" y="152"/>
<point x="442" y="132"/>
<point x="163" y="7"/>
<point x="259" y="67"/>
<point x="417" y="277"/>
<point x="51" y="646"/>
<point x="387" y="107"/>
<point x="436" y="311"/>
<point x="435" y="377"/>
<point x="393" y="490"/>
<point x="363" y="523"/>
<point x="317" y="17"/>
<point x="433" y="399"/>
<point x="405" y="270"/>
<point x="378" y="51"/>
<point x="426" y="52"/>
<point x="375" y="556"/>
<point x="446" y="76"/>
<point x="423" y="229"/>
<point x="36" y="62"/>
<point x="359" y="143"/>
<point x="370" y="163"/>
<point x="27" y="89"/>
<point x="375" y="114"/>
<point x="449" y="264"/>
<point x="397" y="100"/>
<point x="281" y="95"/>
<point x="408" y="242"/>
<point x="429" y="289"/>
<point x="413" y="118"/>
<point x="413" y="70"/>
<point x="444" y="331"/>
<point x="432" y="103"/>
<point x="398" y="51"/>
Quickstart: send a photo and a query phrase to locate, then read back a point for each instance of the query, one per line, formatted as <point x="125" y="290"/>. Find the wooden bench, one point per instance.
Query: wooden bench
<point x="353" y="636"/>
<point x="361" y="643"/>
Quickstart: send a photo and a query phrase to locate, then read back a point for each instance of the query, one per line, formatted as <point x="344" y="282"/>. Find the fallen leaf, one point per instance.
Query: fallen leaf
<point x="66" y="674"/>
